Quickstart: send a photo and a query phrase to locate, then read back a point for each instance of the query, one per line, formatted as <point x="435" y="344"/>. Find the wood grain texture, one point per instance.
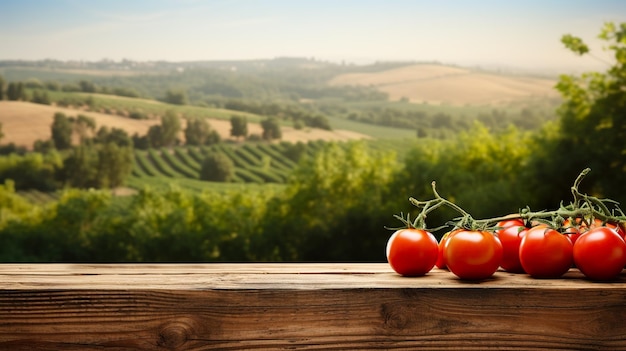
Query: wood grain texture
<point x="300" y="306"/>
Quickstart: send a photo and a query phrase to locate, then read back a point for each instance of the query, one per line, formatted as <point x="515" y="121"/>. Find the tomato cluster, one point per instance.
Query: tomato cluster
<point x="598" y="250"/>
<point x="586" y="234"/>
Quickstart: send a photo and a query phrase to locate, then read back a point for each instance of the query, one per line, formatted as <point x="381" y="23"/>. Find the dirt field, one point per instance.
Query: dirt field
<point x="24" y="122"/>
<point x="436" y="84"/>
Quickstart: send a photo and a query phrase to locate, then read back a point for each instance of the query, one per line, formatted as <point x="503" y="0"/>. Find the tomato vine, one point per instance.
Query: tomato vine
<point x="584" y="206"/>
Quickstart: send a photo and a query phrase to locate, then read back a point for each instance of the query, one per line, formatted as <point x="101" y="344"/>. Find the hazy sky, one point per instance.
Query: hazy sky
<point x="513" y="33"/>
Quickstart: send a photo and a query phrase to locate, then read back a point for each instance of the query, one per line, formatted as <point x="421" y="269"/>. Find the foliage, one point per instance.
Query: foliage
<point x="217" y="167"/>
<point x="592" y="125"/>
<point x="32" y="170"/>
<point x="15" y="91"/>
<point x="331" y="207"/>
<point x="84" y="126"/>
<point x="114" y="135"/>
<point x="104" y="165"/>
<point x="176" y="97"/>
<point x="482" y="170"/>
<point x="61" y="131"/>
<point x="170" y="124"/>
<point x="198" y="132"/>
<point x="271" y="129"/>
<point x="40" y="97"/>
<point x="239" y="126"/>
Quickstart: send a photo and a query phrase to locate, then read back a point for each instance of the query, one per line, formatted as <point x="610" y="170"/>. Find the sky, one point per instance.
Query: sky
<point x="507" y="33"/>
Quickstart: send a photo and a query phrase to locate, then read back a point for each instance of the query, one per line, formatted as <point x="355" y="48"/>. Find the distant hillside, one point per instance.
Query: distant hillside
<point x="438" y="84"/>
<point x="23" y="123"/>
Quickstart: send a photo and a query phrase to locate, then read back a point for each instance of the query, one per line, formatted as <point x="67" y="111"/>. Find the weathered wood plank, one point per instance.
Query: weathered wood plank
<point x="300" y="306"/>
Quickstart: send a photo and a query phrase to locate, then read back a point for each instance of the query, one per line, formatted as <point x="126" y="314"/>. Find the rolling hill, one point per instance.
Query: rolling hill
<point x="25" y="122"/>
<point x="439" y="84"/>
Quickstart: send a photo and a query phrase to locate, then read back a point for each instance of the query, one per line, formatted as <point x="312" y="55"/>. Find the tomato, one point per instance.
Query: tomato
<point x="574" y="232"/>
<point x="545" y="253"/>
<point x="472" y="254"/>
<point x="441" y="259"/>
<point x="412" y="252"/>
<point x="600" y="253"/>
<point x="511" y="234"/>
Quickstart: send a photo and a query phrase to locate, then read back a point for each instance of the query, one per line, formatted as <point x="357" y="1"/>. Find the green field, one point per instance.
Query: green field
<point x="260" y="163"/>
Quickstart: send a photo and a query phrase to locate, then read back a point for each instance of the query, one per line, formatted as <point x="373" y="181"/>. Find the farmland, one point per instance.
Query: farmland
<point x="438" y="84"/>
<point x="28" y="122"/>
<point x="256" y="163"/>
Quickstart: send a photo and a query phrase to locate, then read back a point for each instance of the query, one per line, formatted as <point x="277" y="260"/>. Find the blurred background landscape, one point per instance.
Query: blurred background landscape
<point x="200" y="131"/>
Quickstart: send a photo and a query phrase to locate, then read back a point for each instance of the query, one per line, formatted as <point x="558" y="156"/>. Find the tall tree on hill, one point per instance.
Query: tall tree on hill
<point x="166" y="133"/>
<point x="170" y="127"/>
<point x="271" y="129"/>
<point x="115" y="164"/>
<point x="238" y="126"/>
<point x="198" y="132"/>
<point x="62" y="131"/>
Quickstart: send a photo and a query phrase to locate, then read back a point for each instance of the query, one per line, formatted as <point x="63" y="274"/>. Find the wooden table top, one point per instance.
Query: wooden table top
<point x="307" y="306"/>
<point x="264" y="276"/>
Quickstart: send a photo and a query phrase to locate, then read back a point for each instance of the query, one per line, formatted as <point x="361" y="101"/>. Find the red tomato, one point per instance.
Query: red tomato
<point x="600" y="253"/>
<point x="511" y="234"/>
<point x="412" y="252"/>
<point x="574" y="232"/>
<point x="545" y="253"/>
<point x="473" y="255"/>
<point x="441" y="259"/>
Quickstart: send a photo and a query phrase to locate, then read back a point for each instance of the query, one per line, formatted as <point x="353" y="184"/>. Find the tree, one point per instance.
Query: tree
<point x="98" y="166"/>
<point x="217" y="167"/>
<point x="330" y="199"/>
<point x="87" y="86"/>
<point x="238" y="126"/>
<point x="155" y="136"/>
<point x="115" y="135"/>
<point x="115" y="164"/>
<point x="1" y="88"/>
<point x="176" y="97"/>
<point x="197" y="132"/>
<point x="170" y="127"/>
<point x="41" y="97"/>
<point x="592" y="125"/>
<point x="271" y="129"/>
<point x="1" y="133"/>
<point x="141" y="142"/>
<point x="15" y="91"/>
<point x="61" y="131"/>
<point x="83" y="125"/>
<point x="165" y="134"/>
<point x="80" y="167"/>
<point x="43" y="146"/>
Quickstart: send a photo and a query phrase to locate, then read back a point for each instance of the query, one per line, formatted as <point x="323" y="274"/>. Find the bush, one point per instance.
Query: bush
<point x="217" y="167"/>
